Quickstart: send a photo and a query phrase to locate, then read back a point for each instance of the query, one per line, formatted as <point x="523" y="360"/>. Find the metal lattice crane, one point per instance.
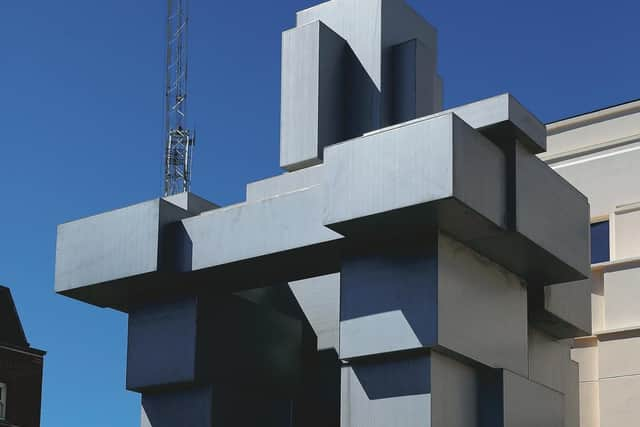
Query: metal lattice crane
<point x="179" y="140"/>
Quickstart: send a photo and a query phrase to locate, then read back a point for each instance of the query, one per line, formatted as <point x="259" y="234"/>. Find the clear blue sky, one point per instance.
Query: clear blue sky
<point x="81" y="119"/>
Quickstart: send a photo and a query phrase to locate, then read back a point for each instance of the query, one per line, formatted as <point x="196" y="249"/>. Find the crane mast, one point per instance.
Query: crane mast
<point x="179" y="139"/>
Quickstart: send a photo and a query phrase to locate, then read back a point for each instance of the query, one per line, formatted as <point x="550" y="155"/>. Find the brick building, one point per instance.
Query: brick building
<point x="20" y="370"/>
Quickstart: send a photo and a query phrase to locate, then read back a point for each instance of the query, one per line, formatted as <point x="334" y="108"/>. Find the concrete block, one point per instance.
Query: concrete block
<point x="544" y="249"/>
<point x="619" y="357"/>
<point x="279" y="239"/>
<point x="626" y="223"/>
<point x="319" y="298"/>
<point x="192" y="407"/>
<point x="528" y="404"/>
<point x="409" y="298"/>
<point x="414" y="84"/>
<point x="372" y="28"/>
<point x="209" y="406"/>
<point x="619" y="399"/>
<point x="622" y="298"/>
<point x="454" y="393"/>
<point x="562" y="310"/>
<point x="191" y="203"/>
<point x="540" y="190"/>
<point x="370" y="180"/>
<point x="493" y="328"/>
<point x="285" y="183"/>
<point x="548" y="361"/>
<point x="221" y="340"/>
<point x="392" y="393"/>
<point x="121" y="245"/>
<point x="504" y="120"/>
<point x="312" y="91"/>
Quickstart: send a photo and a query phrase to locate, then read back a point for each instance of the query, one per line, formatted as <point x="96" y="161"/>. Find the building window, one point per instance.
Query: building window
<point x="599" y="242"/>
<point x="3" y="401"/>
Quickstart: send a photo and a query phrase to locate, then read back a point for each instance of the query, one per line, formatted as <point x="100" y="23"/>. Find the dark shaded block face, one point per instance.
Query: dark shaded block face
<point x="162" y="344"/>
<point x="394" y="377"/>
<point x="193" y="407"/>
<point x="209" y="339"/>
<point x="388" y="300"/>
<point x="211" y="407"/>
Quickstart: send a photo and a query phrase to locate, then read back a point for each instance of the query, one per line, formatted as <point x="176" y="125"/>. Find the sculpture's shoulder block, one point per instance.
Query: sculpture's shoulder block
<point x="114" y="245"/>
<point x="425" y="161"/>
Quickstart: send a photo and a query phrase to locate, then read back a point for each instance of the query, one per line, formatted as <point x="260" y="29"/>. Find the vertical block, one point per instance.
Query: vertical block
<point x="538" y="190"/>
<point x="162" y="344"/>
<point x="219" y="340"/>
<point x="388" y="300"/>
<point x="527" y="404"/>
<point x="313" y="67"/>
<point x="548" y="360"/>
<point x="493" y="329"/>
<point x="399" y="299"/>
<point x="414" y="86"/>
<point x="191" y="407"/>
<point x="319" y="298"/>
<point x="454" y="393"/>
<point x="392" y="393"/>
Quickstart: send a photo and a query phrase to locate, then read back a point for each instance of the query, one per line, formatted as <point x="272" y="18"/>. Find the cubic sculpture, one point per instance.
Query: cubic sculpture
<point x="408" y="270"/>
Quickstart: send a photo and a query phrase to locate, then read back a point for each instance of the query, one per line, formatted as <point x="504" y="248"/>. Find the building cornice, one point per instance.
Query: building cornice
<point x="593" y="117"/>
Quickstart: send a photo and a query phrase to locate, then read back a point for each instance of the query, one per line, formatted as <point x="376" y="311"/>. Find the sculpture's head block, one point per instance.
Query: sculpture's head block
<point x="350" y="67"/>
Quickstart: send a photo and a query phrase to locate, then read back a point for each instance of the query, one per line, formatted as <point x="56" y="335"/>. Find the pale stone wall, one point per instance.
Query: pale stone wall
<point x="599" y="154"/>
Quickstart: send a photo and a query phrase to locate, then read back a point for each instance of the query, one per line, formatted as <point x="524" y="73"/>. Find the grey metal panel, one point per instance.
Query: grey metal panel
<point x="528" y="404"/>
<point x="407" y="299"/>
<point x="360" y="410"/>
<point x="414" y="83"/>
<point x="162" y="344"/>
<point x="563" y="310"/>
<point x="311" y="116"/>
<point x="190" y="341"/>
<point x="114" y="245"/>
<point x="501" y="118"/>
<point x="551" y="212"/>
<point x="191" y="203"/>
<point x="370" y="27"/>
<point x="493" y="328"/>
<point x="252" y="230"/>
<point x="319" y="298"/>
<point x="190" y="407"/>
<point x="454" y="393"/>
<point x="285" y="183"/>
<point x="426" y="161"/>
<point x="518" y="123"/>
<point x="548" y="360"/>
<point x="388" y="299"/>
